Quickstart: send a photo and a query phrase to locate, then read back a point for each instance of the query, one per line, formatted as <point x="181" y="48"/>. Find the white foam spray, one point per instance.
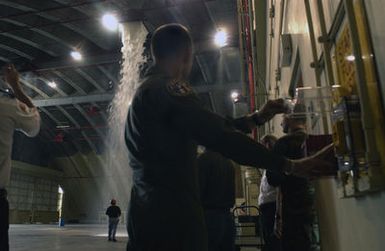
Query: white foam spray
<point x="118" y="173"/>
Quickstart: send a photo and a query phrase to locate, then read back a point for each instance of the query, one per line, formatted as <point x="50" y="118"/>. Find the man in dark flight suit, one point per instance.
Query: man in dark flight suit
<point x="217" y="191"/>
<point x="164" y="125"/>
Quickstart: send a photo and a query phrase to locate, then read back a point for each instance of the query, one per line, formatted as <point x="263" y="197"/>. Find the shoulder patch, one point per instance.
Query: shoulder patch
<point x="179" y="88"/>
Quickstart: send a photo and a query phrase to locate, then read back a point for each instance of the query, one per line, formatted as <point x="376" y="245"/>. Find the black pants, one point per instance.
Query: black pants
<point x="220" y="230"/>
<point x="112" y="227"/>
<point x="297" y="232"/>
<point x="267" y="221"/>
<point x="165" y="221"/>
<point x="4" y="221"/>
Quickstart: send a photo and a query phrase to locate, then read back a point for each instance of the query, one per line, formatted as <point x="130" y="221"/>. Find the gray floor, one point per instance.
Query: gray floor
<point x="68" y="238"/>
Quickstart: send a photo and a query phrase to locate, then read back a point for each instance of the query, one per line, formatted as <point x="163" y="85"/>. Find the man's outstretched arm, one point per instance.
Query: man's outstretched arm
<point x="251" y="121"/>
<point x="214" y="132"/>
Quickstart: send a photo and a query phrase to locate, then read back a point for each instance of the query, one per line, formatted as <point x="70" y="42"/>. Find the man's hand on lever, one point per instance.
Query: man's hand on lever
<point x="271" y="108"/>
<point x="268" y="111"/>
<point x="319" y="165"/>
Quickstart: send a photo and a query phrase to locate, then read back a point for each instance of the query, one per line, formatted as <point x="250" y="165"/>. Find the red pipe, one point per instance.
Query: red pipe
<point x="249" y="55"/>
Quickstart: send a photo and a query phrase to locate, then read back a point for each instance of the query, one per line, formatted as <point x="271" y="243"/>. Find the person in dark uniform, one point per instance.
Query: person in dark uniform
<point x="165" y="122"/>
<point x="217" y="191"/>
<point x="113" y="213"/>
<point x="296" y="200"/>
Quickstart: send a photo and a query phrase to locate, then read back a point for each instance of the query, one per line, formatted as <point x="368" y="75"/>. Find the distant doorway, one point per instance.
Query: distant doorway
<point x="60" y="201"/>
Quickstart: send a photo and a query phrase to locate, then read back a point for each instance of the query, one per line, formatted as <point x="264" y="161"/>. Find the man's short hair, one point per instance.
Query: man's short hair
<point x="170" y="40"/>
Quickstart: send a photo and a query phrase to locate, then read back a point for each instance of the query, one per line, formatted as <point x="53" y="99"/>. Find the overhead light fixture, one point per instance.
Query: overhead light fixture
<point x="110" y="22"/>
<point x="76" y="55"/>
<point x="234" y="95"/>
<point x="52" y="84"/>
<point x="351" y="58"/>
<point x="62" y="126"/>
<point x="220" y="38"/>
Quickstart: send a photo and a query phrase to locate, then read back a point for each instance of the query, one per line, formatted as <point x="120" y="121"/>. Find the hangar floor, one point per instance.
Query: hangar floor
<point x="68" y="238"/>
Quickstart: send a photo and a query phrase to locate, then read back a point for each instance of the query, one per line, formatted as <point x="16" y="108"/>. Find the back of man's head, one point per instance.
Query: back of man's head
<point x="113" y="202"/>
<point x="170" y="41"/>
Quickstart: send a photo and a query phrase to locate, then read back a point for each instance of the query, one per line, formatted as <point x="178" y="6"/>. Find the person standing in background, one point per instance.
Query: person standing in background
<point x="113" y="213"/>
<point x="17" y="112"/>
<point x="295" y="201"/>
<point x="267" y="204"/>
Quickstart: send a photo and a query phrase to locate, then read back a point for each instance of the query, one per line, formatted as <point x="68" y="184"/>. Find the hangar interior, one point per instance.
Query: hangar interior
<point x="72" y="66"/>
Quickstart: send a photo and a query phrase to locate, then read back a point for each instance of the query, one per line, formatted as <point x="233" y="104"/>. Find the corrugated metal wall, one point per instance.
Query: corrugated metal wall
<point x="32" y="194"/>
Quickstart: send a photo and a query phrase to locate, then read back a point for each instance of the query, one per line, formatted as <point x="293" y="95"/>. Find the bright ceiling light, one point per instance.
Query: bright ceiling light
<point x="52" y="84"/>
<point x="76" y="55"/>
<point x="234" y="95"/>
<point x="110" y="22"/>
<point x="351" y="58"/>
<point x="220" y="38"/>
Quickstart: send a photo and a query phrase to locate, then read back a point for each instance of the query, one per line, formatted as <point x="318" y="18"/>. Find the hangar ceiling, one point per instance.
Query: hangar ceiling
<point x="73" y="97"/>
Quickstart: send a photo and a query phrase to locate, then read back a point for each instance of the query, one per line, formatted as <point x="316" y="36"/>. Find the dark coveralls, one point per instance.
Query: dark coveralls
<point x="217" y="189"/>
<point x="297" y="199"/>
<point x="164" y="124"/>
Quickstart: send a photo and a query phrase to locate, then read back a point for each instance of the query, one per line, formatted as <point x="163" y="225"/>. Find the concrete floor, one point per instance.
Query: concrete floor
<point x="68" y="238"/>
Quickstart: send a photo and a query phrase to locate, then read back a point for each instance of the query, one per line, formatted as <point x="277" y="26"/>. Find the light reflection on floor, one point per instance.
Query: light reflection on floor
<point x="68" y="238"/>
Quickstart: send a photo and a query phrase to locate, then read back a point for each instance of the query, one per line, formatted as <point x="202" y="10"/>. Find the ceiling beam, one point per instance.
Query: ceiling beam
<point x="90" y="80"/>
<point x="57" y="122"/>
<point x="29" y="42"/>
<point x="56" y="63"/>
<point x="77" y="125"/>
<point x="73" y="100"/>
<point x="67" y="62"/>
<point x="15" y="51"/>
<point x="69" y="81"/>
<point x="46" y="15"/>
<point x="81" y="91"/>
<point x="206" y="73"/>
<point x="114" y="80"/>
<point x="69" y="117"/>
<point x="200" y="47"/>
